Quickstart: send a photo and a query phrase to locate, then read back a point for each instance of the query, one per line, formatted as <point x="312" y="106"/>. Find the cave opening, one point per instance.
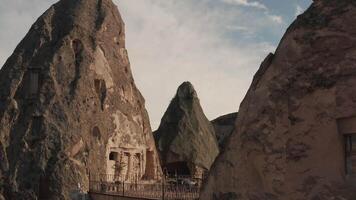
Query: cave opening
<point x="113" y="156"/>
<point x="177" y="168"/>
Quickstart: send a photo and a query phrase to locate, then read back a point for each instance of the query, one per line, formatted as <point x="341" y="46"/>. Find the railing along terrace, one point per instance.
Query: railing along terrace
<point x="168" y="189"/>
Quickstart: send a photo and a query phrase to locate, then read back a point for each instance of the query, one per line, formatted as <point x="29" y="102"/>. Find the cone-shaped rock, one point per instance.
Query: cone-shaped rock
<point x="297" y="122"/>
<point x="224" y="126"/>
<point x="69" y="106"/>
<point x="185" y="138"/>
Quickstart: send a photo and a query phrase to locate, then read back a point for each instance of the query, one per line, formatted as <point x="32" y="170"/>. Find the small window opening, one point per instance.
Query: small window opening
<point x="113" y="156"/>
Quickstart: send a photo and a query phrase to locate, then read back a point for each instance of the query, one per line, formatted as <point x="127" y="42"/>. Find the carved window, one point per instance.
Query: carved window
<point x="113" y="156"/>
<point x="347" y="127"/>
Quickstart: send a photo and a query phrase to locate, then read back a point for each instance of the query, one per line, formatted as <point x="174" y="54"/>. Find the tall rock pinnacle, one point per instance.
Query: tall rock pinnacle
<point x="295" y="137"/>
<point x="69" y="106"/>
<point x="186" y="138"/>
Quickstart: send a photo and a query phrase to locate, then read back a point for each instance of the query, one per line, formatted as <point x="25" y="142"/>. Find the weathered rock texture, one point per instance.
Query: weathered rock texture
<point x="289" y="143"/>
<point x="224" y="126"/>
<point x="69" y="105"/>
<point x="185" y="137"/>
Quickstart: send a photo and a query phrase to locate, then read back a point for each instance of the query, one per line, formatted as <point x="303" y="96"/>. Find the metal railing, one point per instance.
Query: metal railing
<point x="165" y="190"/>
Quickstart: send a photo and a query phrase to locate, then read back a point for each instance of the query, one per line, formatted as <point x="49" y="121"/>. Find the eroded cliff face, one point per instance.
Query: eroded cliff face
<point x="292" y="139"/>
<point x="185" y="138"/>
<point x="69" y="106"/>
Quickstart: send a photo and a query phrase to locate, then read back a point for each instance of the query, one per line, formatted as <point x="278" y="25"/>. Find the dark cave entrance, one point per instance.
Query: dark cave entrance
<point x="177" y="168"/>
<point x="114" y="156"/>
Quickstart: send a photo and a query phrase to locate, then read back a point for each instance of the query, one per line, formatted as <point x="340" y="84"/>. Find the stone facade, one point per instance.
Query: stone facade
<point x="131" y="164"/>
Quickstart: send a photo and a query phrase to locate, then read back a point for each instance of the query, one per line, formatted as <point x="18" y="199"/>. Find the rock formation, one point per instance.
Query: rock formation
<point x="297" y="121"/>
<point x="224" y="126"/>
<point x="185" y="138"/>
<point x="69" y="106"/>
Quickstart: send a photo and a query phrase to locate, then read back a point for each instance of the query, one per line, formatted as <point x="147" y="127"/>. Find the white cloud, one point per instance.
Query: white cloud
<point x="247" y="3"/>
<point x="238" y="28"/>
<point x="276" y="18"/>
<point x="170" y="42"/>
<point x="248" y="32"/>
<point x="255" y="4"/>
<point x="298" y="10"/>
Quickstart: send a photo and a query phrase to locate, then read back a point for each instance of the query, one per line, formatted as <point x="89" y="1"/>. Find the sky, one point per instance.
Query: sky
<point x="217" y="45"/>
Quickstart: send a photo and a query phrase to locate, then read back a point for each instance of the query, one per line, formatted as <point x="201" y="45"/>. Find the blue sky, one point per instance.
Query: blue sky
<point x="218" y="45"/>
